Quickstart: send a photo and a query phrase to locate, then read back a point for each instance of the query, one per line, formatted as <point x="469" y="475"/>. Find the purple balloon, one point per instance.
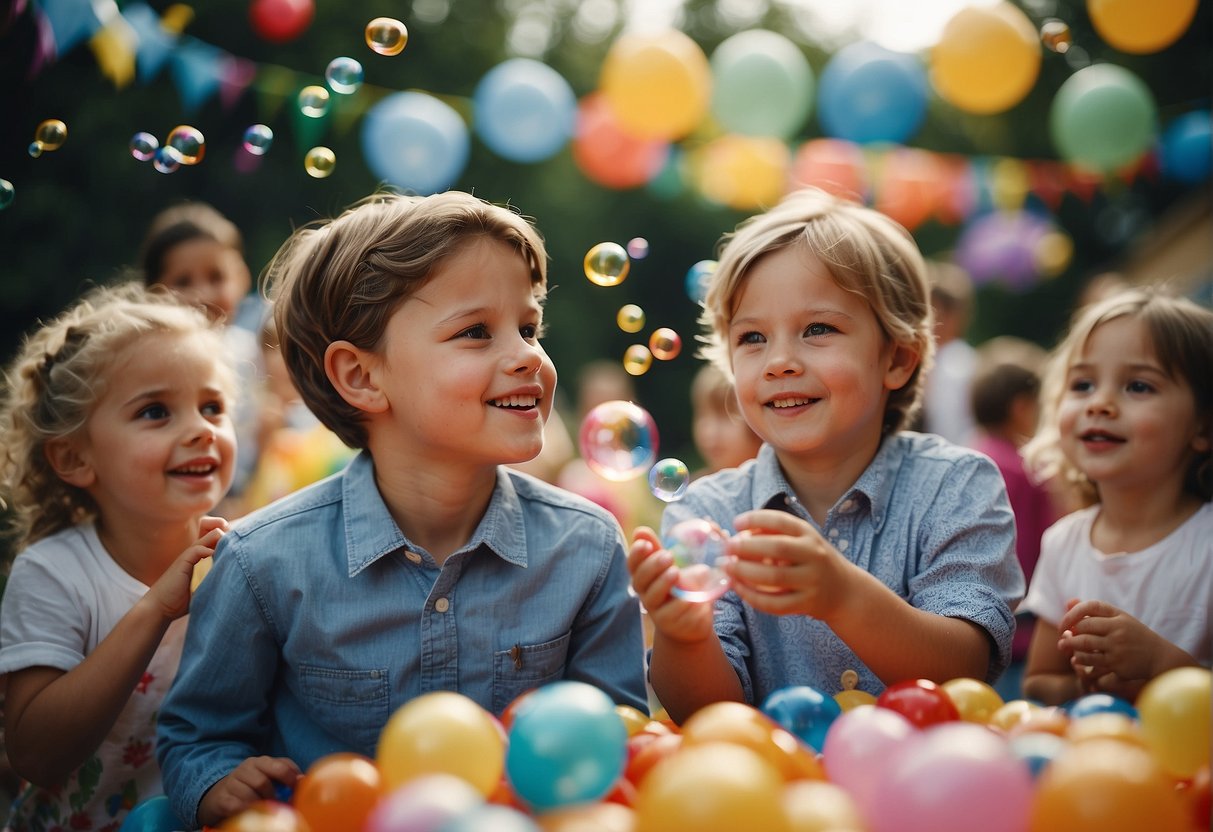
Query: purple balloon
<point x="859" y="743"/>
<point x="1002" y="246"/>
<point x="424" y="804"/>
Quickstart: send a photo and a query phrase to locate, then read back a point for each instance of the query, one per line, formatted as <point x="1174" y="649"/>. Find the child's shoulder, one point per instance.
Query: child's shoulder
<point x="531" y="489"/>
<point x="297" y="508"/>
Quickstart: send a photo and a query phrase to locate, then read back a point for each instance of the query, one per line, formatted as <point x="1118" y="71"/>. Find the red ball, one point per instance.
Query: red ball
<point x="279" y="21"/>
<point x="919" y="700"/>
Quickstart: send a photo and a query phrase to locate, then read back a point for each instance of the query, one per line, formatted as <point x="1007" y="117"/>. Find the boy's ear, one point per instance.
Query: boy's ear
<point x="352" y="372"/>
<point x="901" y="365"/>
<point x="69" y="464"/>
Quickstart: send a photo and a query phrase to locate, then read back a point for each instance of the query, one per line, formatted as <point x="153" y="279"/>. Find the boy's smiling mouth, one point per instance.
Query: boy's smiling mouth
<point x="515" y="402"/>
<point x="790" y="402"/>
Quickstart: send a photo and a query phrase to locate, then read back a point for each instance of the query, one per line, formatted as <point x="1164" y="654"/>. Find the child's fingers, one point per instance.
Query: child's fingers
<point x="640" y="552"/>
<point x="770" y="521"/>
<point x="209" y="523"/>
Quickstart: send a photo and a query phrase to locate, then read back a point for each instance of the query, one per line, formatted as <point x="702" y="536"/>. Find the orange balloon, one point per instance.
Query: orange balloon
<point x="442" y="733"/>
<point x="338" y="792"/>
<point x="658" y="85"/>
<point x="742" y="172"/>
<point x="1106" y="785"/>
<point x="649" y="754"/>
<point x="909" y="186"/>
<point x="266" y="816"/>
<point x="987" y="59"/>
<point x="834" y="165"/>
<point x="609" y="156"/>
<point x="1141" y="28"/>
<point x="593" y="817"/>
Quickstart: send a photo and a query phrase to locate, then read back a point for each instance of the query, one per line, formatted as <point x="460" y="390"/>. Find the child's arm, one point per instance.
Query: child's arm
<point x="252" y="780"/>
<point x="1114" y="652"/>
<point x="1048" y="675"/>
<point x="54" y="719"/>
<point x="688" y="668"/>
<point x="784" y="566"/>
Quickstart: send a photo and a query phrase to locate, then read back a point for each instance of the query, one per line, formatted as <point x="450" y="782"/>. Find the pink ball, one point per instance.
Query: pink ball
<point x="860" y="743"/>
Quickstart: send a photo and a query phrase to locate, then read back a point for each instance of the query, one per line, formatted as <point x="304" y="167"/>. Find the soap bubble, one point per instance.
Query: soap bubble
<point x="606" y="264"/>
<point x="668" y="479"/>
<point x="637" y="359"/>
<point x="698" y="549"/>
<point x="386" y="36"/>
<point x="166" y="160"/>
<point x="7" y="193"/>
<point x="143" y="146"/>
<point x="630" y="318"/>
<point x="665" y="344"/>
<point x="258" y="138"/>
<point x="313" y="101"/>
<point x="638" y="248"/>
<point x="697" y="279"/>
<point x="618" y="440"/>
<point x="50" y="134"/>
<point x="319" y="162"/>
<point x="188" y="144"/>
<point x="344" y="75"/>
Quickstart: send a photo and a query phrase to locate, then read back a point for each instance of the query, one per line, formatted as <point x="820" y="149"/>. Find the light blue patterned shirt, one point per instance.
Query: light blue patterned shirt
<point x="320" y="619"/>
<point x="928" y="518"/>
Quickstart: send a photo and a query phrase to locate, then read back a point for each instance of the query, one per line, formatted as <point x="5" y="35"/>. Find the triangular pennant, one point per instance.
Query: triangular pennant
<point x="71" y="22"/>
<point x="237" y="74"/>
<point x="155" y="44"/>
<point x="1047" y="181"/>
<point x="114" y="46"/>
<point x="197" y="71"/>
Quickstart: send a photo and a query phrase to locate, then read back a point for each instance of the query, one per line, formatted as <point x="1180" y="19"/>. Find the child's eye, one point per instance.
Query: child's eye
<point x="153" y="412"/>
<point x="1080" y="385"/>
<point x="215" y="408"/>
<point x="530" y="332"/>
<point x="813" y="330"/>
<point x="1138" y="386"/>
<point x="477" y="332"/>
<point x="750" y="338"/>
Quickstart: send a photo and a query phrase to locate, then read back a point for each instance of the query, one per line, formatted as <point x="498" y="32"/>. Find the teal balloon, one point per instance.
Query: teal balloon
<point x="415" y="142"/>
<point x="871" y="94"/>
<point x="525" y="110"/>
<point x="151" y="815"/>
<point x="762" y="85"/>
<point x="1103" y="117"/>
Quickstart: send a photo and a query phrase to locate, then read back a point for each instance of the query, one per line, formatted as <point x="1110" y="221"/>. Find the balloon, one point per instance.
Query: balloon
<point x="908" y="190"/>
<point x="151" y="815"/>
<point x="1174" y="709"/>
<point x="987" y="59"/>
<point x="870" y="94"/>
<point x="804" y="711"/>
<point x="742" y="172"/>
<point x="1102" y="117"/>
<point x="763" y="84"/>
<point x="644" y="755"/>
<point x="266" y="816"/>
<point x="1105" y="725"/>
<point x="919" y="700"/>
<point x="1002" y="246"/>
<point x="609" y="156"/>
<point x="490" y="818"/>
<point x="716" y="787"/>
<point x="657" y="85"/>
<point x="1106" y="786"/>
<point x="974" y="700"/>
<point x="423" y="804"/>
<point x="415" y="142"/>
<point x="850" y="699"/>
<point x="739" y="724"/>
<point x="593" y="817"/>
<point x="441" y="732"/>
<point x="567" y="745"/>
<point x="279" y="21"/>
<point x="1036" y="749"/>
<point x="338" y="792"/>
<point x="525" y="110"/>
<point x="1140" y="28"/>
<point x="1186" y="148"/>
<point x="859" y="743"/>
<point x="817" y="806"/>
<point x="958" y="777"/>
<point x="1098" y="703"/>
<point x="834" y="165"/>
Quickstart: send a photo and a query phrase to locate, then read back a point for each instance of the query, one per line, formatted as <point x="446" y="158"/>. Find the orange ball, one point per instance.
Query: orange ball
<point x="338" y="792"/>
<point x="266" y="816"/>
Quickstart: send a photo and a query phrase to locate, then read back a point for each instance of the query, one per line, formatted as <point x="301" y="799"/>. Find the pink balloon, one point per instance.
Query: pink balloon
<point x="859" y="743"/>
<point x="959" y="777"/>
<point x="424" y="804"/>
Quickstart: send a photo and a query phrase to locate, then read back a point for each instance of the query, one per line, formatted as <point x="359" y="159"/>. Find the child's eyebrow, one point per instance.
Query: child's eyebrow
<point x="807" y="313"/>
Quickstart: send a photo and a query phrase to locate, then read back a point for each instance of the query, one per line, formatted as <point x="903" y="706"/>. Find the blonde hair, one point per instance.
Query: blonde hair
<point x="342" y="280"/>
<point x="865" y="252"/>
<point x="53" y="384"/>
<point x="1182" y="336"/>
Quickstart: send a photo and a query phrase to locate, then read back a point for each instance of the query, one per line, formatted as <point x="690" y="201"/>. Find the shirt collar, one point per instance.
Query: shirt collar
<point x="371" y="531"/>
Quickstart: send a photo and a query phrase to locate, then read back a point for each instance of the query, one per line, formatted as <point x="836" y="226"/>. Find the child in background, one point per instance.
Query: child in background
<point x="722" y="437"/>
<point x="115" y="441"/>
<point x="198" y="253"/>
<point x="945" y="399"/>
<point x="855" y="546"/>
<point x="410" y="327"/>
<point x="1005" y="401"/>
<point x="1121" y="591"/>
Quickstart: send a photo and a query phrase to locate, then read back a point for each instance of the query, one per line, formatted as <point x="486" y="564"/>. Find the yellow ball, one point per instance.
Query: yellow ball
<point x="975" y="700"/>
<point x="1174" y="712"/>
<point x="441" y="733"/>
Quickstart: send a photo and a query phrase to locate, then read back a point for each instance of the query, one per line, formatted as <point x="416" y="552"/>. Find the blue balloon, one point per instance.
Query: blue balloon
<point x="1098" y="703"/>
<point x="804" y="711"/>
<point x="871" y="94"/>
<point x="151" y="815"/>
<point x="567" y="745"/>
<point x="525" y="110"/>
<point x="1186" y="149"/>
<point x="415" y="142"/>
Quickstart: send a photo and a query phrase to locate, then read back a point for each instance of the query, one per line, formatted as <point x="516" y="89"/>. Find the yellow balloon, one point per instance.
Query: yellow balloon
<point x="1174" y="712"/>
<point x="987" y="59"/>
<point x="657" y="86"/>
<point x="441" y="732"/>
<point x="817" y="806"/>
<point x="975" y="700"/>
<point x="743" y="172"/>
<point x="848" y="699"/>
<point x="1141" y="28"/>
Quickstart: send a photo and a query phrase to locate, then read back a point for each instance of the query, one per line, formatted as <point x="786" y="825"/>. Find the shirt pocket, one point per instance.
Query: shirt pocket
<point x="527" y="666"/>
<point x="353" y="705"/>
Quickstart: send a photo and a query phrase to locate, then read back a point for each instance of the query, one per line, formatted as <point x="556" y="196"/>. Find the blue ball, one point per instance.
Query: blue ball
<point x="152" y="815"/>
<point x="1098" y="703"/>
<point x="804" y="711"/>
<point x="1186" y="147"/>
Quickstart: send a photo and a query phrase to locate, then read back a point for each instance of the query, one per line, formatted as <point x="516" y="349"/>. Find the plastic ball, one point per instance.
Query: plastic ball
<point x="668" y="479"/>
<point x="1036" y="749"/>
<point x="921" y="701"/>
<point x="698" y="550"/>
<point x="151" y="815"/>
<point x="423" y="804"/>
<point x="849" y="699"/>
<point x="975" y="701"/>
<point x="817" y="806"/>
<point x="338" y="792"/>
<point x="1098" y="703"/>
<point x="804" y="711"/>
<point x="1174" y="709"/>
<point x="606" y="264"/>
<point x="441" y="732"/>
<point x="740" y="724"/>
<point x="266" y="816"/>
<point x="280" y="21"/>
<point x="859" y="743"/>
<point x="618" y="440"/>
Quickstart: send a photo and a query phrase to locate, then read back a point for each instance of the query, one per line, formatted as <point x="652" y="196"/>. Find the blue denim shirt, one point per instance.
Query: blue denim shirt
<point x="930" y="519"/>
<point x="320" y="618"/>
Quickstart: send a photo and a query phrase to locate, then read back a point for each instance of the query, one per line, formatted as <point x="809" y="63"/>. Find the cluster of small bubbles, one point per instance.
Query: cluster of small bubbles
<point x="1056" y="35"/>
<point x="668" y="479"/>
<point x="665" y="344"/>
<point x="606" y="264"/>
<point x="7" y="193"/>
<point x="344" y="75"/>
<point x="387" y="36"/>
<point x="188" y="144"/>
<point x="48" y="135"/>
<point x="697" y="279"/>
<point x="166" y="160"/>
<point x="630" y="318"/>
<point x="319" y="162"/>
<point x="257" y="139"/>
<point x="618" y="440"/>
<point x="143" y="146"/>
<point x="313" y="101"/>
<point x="638" y="248"/>
<point x="637" y="359"/>
<point x="698" y="549"/>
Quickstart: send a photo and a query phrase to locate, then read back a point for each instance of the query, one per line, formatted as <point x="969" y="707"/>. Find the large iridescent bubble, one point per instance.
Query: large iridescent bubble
<point x="618" y="440"/>
<point x="668" y="479"/>
<point x="698" y="549"/>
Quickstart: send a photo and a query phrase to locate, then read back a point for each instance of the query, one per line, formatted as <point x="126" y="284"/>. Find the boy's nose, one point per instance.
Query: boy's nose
<point x="529" y="360"/>
<point x="202" y="433"/>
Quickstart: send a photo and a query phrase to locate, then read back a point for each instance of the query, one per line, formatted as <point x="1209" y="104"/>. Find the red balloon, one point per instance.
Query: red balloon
<point x="610" y="156"/>
<point x="279" y="21"/>
<point x="921" y="701"/>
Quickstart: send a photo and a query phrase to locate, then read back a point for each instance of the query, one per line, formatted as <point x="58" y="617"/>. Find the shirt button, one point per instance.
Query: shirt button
<point x="843" y="545"/>
<point x="442" y="605"/>
<point x="833" y="533"/>
<point x="415" y="557"/>
<point x="847" y="505"/>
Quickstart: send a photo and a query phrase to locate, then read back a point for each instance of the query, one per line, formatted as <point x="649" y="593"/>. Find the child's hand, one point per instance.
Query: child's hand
<point x="653" y="576"/>
<point x="252" y="780"/>
<point x="172" y="591"/>
<point x="782" y="565"/>
<point x="1109" y="649"/>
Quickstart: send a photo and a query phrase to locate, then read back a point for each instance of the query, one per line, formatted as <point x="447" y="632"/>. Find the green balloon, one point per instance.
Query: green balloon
<point x="1103" y="117"/>
<point x="762" y="85"/>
